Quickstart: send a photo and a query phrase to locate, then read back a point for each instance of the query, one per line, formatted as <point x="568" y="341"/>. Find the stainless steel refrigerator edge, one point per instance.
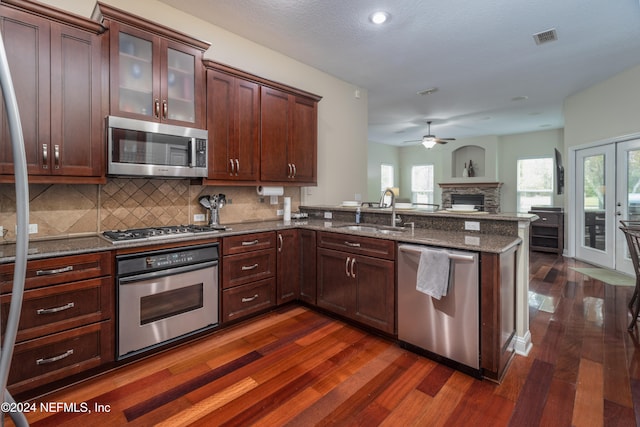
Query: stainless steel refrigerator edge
<point x="449" y="327"/>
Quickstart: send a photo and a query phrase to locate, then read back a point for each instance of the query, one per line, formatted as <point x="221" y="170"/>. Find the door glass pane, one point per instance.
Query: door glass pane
<point x="633" y="185"/>
<point x="594" y="201"/>
<point x="136" y="78"/>
<point x="181" y="89"/>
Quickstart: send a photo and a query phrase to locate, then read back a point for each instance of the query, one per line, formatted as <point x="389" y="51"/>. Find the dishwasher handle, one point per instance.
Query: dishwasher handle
<point x="453" y="257"/>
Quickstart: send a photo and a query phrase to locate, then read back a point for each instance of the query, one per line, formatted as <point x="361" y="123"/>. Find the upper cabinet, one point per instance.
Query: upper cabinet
<point x="289" y="129"/>
<point x="260" y="131"/>
<point x="156" y="74"/>
<point x="56" y="67"/>
<point x="233" y="121"/>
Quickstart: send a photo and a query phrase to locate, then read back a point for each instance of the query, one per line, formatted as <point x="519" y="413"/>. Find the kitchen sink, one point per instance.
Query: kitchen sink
<point x="372" y="229"/>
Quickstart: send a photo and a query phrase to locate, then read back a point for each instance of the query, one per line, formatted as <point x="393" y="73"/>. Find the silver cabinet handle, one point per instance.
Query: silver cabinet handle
<point x="346" y="266"/>
<point x="295" y="171"/>
<point x="232" y="167"/>
<point x="250" y="298"/>
<point x="352" y="244"/>
<point x="156" y="108"/>
<point x="54" y="271"/>
<point x="55" y="309"/>
<point x="237" y="166"/>
<point x="353" y="263"/>
<point x="251" y="243"/>
<point x="280" y="242"/>
<point x="45" y="156"/>
<point x="544" y="219"/>
<point x="290" y="170"/>
<point x="165" y="109"/>
<point x="249" y="267"/>
<point x="54" y="358"/>
<point x="56" y="156"/>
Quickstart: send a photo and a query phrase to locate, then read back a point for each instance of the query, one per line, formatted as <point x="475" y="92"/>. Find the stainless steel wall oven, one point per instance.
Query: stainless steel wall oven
<point x="164" y="295"/>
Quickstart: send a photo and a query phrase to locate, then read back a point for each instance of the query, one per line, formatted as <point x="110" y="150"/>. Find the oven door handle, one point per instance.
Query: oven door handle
<point x="163" y="273"/>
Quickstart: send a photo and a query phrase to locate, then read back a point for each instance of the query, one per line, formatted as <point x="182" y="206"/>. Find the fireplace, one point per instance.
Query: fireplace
<point x="468" y="199"/>
<point x="484" y="195"/>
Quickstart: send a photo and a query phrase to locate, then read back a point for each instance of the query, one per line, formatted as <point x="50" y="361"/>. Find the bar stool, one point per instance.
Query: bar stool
<point x="631" y="230"/>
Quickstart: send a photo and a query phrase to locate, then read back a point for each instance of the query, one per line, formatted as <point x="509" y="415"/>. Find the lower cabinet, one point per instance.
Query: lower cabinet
<point x="66" y="324"/>
<point x="288" y="265"/>
<point x="248" y="274"/>
<point x="354" y="285"/>
<point x="308" y="266"/>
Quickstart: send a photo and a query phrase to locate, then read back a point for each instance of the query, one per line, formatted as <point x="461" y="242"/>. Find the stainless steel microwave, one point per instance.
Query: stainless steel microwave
<point x="139" y="148"/>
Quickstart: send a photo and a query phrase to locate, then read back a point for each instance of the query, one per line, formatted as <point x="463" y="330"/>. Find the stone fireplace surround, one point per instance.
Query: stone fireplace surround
<point x="490" y="191"/>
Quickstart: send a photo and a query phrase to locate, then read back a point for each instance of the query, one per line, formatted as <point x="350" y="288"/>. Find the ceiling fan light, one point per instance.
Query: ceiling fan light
<point x="428" y="142"/>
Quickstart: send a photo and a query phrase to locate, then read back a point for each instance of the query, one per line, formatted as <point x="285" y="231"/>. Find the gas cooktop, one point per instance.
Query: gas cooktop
<point x="156" y="233"/>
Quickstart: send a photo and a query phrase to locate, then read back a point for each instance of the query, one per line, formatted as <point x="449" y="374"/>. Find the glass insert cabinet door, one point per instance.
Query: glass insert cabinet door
<point x="136" y="75"/>
<point x="155" y="81"/>
<point x="180" y="99"/>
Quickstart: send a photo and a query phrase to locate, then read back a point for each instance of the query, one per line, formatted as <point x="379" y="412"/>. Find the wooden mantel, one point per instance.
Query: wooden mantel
<point x="470" y="184"/>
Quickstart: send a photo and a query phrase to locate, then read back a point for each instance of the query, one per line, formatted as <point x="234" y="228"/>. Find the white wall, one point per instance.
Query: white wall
<point x="342" y="119"/>
<point x="604" y="111"/>
<point x="378" y="154"/>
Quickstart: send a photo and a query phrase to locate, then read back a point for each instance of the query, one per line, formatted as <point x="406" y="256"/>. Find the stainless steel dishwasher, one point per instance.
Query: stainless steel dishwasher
<point x="447" y="330"/>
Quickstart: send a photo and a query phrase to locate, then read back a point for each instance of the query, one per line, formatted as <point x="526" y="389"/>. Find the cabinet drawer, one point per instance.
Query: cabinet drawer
<point x="378" y="248"/>
<point x="53" y="271"/>
<point x="244" y="268"/>
<point x="247" y="299"/>
<point x="248" y="242"/>
<point x="60" y="307"/>
<point x="546" y="218"/>
<point x="57" y="356"/>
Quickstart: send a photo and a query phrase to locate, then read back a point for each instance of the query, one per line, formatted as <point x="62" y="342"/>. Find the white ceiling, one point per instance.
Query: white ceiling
<point x="479" y="54"/>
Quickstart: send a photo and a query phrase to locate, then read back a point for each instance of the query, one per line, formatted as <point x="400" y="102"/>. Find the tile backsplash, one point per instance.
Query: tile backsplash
<point x="62" y="210"/>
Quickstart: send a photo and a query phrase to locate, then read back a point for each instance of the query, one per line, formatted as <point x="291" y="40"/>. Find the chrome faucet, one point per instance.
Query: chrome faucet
<point x="392" y="204"/>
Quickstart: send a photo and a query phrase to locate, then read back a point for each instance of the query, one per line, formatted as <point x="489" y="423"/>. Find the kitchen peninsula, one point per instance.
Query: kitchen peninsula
<point x="498" y="249"/>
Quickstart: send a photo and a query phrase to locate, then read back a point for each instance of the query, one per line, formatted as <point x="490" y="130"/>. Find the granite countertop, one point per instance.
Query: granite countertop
<point x="502" y="216"/>
<point x="473" y="241"/>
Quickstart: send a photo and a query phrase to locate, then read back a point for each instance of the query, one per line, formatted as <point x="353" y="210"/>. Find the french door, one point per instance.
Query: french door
<point x="607" y="191"/>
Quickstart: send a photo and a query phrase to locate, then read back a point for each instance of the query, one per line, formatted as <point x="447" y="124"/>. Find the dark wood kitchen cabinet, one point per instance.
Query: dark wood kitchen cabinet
<point x="497" y="312"/>
<point x="248" y="275"/>
<point x="288" y="266"/>
<point x="289" y="129"/>
<point x="356" y="278"/>
<point x="156" y="74"/>
<point x="55" y="60"/>
<point x="233" y="121"/>
<point x="308" y="266"/>
<point x="67" y="321"/>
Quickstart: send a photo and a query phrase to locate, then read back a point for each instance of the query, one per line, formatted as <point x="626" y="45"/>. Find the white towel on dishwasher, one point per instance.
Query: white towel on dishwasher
<point x="434" y="270"/>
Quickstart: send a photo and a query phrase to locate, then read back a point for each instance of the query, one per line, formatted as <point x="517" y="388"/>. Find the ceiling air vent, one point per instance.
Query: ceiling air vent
<point x="546" y="36"/>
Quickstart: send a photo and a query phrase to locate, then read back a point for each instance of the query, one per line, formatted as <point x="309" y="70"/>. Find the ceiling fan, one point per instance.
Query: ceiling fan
<point x="430" y="140"/>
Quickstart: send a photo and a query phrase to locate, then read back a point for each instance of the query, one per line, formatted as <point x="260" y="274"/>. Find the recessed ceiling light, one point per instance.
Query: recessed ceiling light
<point x="520" y="98"/>
<point x="379" y="17"/>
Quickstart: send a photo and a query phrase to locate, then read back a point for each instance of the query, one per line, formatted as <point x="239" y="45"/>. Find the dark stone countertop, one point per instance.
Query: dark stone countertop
<point x="474" y="241"/>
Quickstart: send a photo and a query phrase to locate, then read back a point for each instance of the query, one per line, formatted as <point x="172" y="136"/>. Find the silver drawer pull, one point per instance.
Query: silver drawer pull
<point x="55" y="309"/>
<point x="251" y="243"/>
<point x="54" y="271"/>
<point x="544" y="219"/>
<point x="250" y="298"/>
<point x="353" y="245"/>
<point x="54" y="358"/>
<point x="249" y="267"/>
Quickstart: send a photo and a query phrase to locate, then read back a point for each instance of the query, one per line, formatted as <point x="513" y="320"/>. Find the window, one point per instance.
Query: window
<point x="422" y="184"/>
<point x="386" y="177"/>
<point x="535" y="183"/>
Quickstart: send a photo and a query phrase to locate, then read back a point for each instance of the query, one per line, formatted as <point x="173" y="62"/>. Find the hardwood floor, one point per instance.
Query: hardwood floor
<point x="297" y="367"/>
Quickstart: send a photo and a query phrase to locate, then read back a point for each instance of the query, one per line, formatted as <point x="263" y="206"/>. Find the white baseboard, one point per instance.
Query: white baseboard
<point x="523" y="345"/>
